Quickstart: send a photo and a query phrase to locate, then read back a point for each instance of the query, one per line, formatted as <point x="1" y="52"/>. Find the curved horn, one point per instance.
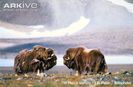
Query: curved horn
<point x="67" y="58"/>
<point x="51" y="56"/>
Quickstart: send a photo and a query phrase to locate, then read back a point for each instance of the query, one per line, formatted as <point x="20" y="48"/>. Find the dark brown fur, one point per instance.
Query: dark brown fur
<point x="32" y="60"/>
<point x="92" y="61"/>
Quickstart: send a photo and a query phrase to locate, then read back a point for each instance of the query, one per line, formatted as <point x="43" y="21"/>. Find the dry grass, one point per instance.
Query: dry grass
<point x="62" y="80"/>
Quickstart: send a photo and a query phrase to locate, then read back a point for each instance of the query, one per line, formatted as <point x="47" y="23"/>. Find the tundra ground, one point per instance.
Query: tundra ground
<point x="61" y="77"/>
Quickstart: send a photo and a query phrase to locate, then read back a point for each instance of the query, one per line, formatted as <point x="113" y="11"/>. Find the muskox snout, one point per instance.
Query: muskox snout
<point x="54" y="57"/>
<point x="69" y="64"/>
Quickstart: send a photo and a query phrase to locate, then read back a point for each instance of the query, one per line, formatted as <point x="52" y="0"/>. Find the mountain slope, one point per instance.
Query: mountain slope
<point x="54" y="14"/>
<point x="109" y="42"/>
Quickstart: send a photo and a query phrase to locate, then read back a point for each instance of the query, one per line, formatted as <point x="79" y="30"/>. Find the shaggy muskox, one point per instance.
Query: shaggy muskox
<point x="36" y="60"/>
<point x="85" y="60"/>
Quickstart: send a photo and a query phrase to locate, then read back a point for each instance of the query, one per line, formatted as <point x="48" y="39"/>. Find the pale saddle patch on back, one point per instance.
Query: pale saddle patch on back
<point x="86" y="50"/>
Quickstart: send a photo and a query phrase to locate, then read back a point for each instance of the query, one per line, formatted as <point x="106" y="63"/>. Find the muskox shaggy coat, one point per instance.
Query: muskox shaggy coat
<point x="85" y="60"/>
<point x="39" y="58"/>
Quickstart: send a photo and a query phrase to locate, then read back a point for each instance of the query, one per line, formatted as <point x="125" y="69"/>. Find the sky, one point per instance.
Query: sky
<point x="73" y="28"/>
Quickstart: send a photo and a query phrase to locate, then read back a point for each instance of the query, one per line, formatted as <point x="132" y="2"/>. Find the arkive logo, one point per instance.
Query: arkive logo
<point x="20" y="5"/>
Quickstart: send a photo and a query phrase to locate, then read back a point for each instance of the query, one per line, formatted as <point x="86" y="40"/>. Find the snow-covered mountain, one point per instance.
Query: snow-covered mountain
<point x="67" y="17"/>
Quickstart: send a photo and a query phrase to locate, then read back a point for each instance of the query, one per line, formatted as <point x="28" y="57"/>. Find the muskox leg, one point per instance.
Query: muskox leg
<point x="41" y="74"/>
<point x="87" y="69"/>
<point x="92" y="68"/>
<point x="97" y="66"/>
<point x="37" y="65"/>
<point x="103" y="67"/>
<point x="40" y="69"/>
<point x="38" y="72"/>
<point x="77" y="73"/>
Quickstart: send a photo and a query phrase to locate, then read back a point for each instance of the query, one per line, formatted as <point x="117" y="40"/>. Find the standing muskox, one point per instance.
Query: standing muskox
<point x="36" y="60"/>
<point x="85" y="60"/>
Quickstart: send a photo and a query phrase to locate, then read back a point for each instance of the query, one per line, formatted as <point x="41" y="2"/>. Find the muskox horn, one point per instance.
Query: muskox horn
<point x="67" y="58"/>
<point x="51" y="56"/>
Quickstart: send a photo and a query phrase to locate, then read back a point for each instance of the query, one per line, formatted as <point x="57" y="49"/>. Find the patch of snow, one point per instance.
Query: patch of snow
<point x="128" y="6"/>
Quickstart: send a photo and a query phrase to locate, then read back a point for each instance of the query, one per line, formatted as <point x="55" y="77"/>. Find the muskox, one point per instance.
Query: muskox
<point x="38" y="59"/>
<point x="85" y="60"/>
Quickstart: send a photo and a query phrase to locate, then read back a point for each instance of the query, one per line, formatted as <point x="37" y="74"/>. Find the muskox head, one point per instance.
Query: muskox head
<point x="51" y="58"/>
<point x="70" y="55"/>
<point x="45" y="54"/>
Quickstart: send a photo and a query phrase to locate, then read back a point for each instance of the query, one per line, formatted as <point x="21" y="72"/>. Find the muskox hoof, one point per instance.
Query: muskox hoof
<point x="77" y="73"/>
<point x="42" y="74"/>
